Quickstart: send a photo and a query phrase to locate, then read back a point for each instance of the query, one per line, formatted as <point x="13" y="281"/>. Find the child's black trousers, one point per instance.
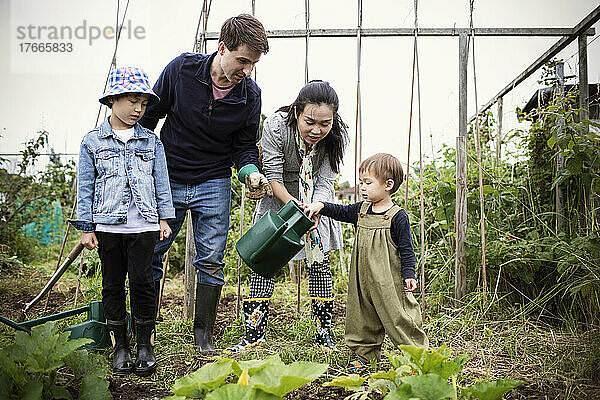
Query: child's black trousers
<point x="130" y="255"/>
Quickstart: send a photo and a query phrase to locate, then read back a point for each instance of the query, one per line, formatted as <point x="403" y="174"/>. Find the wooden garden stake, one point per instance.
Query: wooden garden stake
<point x="299" y="284"/>
<point x="584" y="105"/>
<point x="292" y="268"/>
<point x="499" y="132"/>
<point x="422" y="202"/>
<point x="162" y="282"/>
<point x="479" y="166"/>
<point x="460" y="219"/>
<point x="410" y="114"/>
<point x="239" y="261"/>
<point x="190" y="275"/>
<point x="306" y="38"/>
<point x="561" y="222"/>
<point x="584" y="90"/>
<point x="358" y="126"/>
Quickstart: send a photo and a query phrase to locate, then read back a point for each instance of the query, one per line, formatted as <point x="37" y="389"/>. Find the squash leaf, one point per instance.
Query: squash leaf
<point x="494" y="390"/>
<point x="390" y="375"/>
<point x="42" y="350"/>
<point x="239" y="392"/>
<point x="424" y="387"/>
<point x="282" y="379"/>
<point x="59" y="392"/>
<point x="255" y="365"/>
<point x="84" y="363"/>
<point x="349" y="382"/>
<point x="33" y="391"/>
<point x="208" y="377"/>
<point x="94" y="387"/>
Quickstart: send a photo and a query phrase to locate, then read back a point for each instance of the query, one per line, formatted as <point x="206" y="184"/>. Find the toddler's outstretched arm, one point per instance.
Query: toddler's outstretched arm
<point x="312" y="209"/>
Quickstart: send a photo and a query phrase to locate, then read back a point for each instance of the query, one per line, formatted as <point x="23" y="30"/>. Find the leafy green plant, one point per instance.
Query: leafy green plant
<point x="28" y="367"/>
<point x="28" y="194"/>
<point x="421" y="374"/>
<point x="267" y="379"/>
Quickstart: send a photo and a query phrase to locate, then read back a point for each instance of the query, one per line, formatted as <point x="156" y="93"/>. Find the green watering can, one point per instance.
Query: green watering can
<point x="94" y="328"/>
<point x="275" y="238"/>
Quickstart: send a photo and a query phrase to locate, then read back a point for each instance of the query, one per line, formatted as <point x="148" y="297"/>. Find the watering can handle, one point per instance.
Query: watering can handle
<point x="258" y="254"/>
<point x="295" y="218"/>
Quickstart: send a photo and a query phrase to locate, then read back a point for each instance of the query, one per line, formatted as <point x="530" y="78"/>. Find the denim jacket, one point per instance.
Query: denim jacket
<point x="108" y="168"/>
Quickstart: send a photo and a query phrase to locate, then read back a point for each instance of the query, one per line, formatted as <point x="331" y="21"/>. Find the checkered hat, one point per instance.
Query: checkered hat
<point x="129" y="80"/>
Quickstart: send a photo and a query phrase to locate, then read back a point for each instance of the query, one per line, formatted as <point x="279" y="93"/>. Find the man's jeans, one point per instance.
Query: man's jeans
<point x="209" y="204"/>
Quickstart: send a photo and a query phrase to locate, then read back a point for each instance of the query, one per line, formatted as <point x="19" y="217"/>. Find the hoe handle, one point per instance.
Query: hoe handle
<point x="61" y="270"/>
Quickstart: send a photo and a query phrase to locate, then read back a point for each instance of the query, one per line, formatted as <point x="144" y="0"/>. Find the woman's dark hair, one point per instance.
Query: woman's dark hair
<point x="320" y="92"/>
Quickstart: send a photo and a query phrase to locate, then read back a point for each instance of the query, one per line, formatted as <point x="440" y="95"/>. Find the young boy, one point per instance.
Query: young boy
<point x="123" y="202"/>
<point x="382" y="272"/>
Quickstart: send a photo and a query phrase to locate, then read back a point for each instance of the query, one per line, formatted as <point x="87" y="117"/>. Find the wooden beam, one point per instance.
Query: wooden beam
<point x="388" y="32"/>
<point x="579" y="29"/>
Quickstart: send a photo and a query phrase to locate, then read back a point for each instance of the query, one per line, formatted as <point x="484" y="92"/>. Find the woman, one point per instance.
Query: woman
<point x="303" y="146"/>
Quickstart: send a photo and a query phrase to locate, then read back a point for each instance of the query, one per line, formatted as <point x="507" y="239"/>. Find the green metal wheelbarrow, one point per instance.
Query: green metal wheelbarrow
<point x="94" y="328"/>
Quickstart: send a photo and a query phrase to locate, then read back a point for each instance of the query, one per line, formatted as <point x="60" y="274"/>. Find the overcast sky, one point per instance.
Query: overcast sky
<point x="58" y="91"/>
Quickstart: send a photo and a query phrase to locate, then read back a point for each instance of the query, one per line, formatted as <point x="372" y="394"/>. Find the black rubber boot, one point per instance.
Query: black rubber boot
<point x="205" y="313"/>
<point x="122" y="362"/>
<point x="322" y="312"/>
<point x="145" y="362"/>
<point x="256" y="314"/>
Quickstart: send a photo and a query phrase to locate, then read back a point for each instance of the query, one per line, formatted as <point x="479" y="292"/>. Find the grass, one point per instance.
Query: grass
<point x="558" y="363"/>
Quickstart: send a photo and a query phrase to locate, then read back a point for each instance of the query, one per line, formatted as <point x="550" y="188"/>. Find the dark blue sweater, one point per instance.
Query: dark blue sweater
<point x="204" y="137"/>
<point x="399" y="231"/>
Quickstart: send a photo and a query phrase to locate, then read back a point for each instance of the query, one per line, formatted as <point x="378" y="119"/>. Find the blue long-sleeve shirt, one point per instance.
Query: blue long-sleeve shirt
<point x="399" y="231"/>
<point x="204" y="137"/>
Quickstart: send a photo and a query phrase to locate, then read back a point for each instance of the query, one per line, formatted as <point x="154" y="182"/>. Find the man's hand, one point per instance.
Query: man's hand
<point x="165" y="229"/>
<point x="258" y="186"/>
<point x="411" y="284"/>
<point x="89" y="240"/>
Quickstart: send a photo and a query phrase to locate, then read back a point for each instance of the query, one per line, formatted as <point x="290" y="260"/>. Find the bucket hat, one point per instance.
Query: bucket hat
<point x="128" y="80"/>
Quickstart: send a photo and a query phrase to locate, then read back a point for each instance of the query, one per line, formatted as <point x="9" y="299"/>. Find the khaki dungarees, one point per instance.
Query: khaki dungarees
<point x="378" y="302"/>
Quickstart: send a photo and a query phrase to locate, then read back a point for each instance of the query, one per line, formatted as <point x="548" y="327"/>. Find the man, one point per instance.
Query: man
<point x="212" y="110"/>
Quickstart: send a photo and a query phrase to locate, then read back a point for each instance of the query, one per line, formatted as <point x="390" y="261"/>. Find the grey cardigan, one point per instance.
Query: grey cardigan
<point x="280" y="164"/>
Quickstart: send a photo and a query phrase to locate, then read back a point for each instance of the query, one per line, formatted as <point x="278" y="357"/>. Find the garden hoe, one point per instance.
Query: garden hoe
<point x="94" y="328"/>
